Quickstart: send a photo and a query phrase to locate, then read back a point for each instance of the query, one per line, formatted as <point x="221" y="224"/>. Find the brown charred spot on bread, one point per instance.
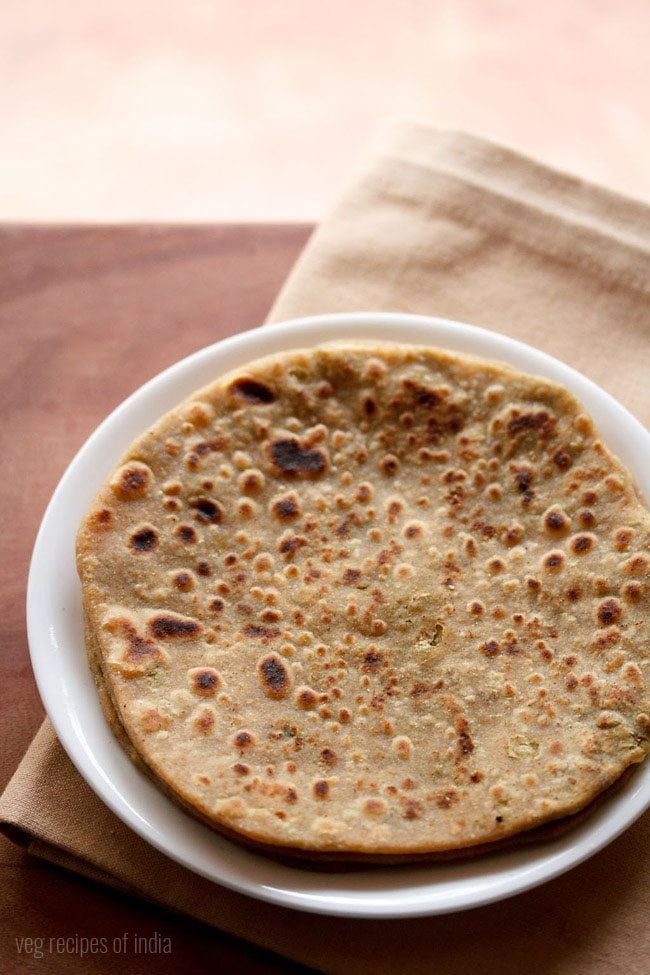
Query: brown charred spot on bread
<point x="523" y="480"/>
<point x="425" y="455"/>
<point x="465" y="744"/>
<point x="350" y="576"/>
<point x="423" y="395"/>
<point x="251" y="481"/>
<point x="445" y="416"/>
<point x="453" y="476"/>
<point x="533" y="584"/>
<point x="636" y="565"/>
<point x="476" y="607"/>
<point x="365" y="493"/>
<point x="260" y="632"/>
<point x="496" y="565"/>
<point x="204" y="721"/>
<point x="450" y="420"/>
<point x="203" y="568"/>
<point x="581" y="544"/>
<point x="270" y="615"/>
<point x="372" y="662"/>
<point x="470" y="548"/>
<point x="286" y="508"/>
<point x="240" y="768"/>
<point x="140" y="647"/>
<point x="274" y="676"/>
<point x="368" y="405"/>
<point x="243" y="740"/>
<point x="344" y="527"/>
<point x="374" y="807"/>
<point x="490" y="648"/>
<point x="328" y="756"/>
<point x="513" y="534"/>
<point x="101" y="520"/>
<point x="601" y="585"/>
<point x="145" y="539"/>
<point x="205" y="447"/>
<point x="414" y="529"/>
<point x="562" y="460"/>
<point x="389" y="465"/>
<point x="586" y="518"/>
<point x="394" y="508"/>
<point x="412" y="809"/>
<point x="573" y="594"/>
<point x="205" y="681"/>
<point x="246" y="508"/>
<point x="293" y="458"/>
<point x="152" y="720"/>
<point x="321" y="789"/>
<point x="423" y="690"/>
<point x="555" y="521"/>
<point x="537" y="421"/>
<point x="252" y="391"/>
<point x="484" y="529"/>
<point x="206" y="510"/>
<point x="632" y="591"/>
<point x="132" y="481"/>
<point x="571" y="682"/>
<point x="553" y="561"/>
<point x="606" y="638"/>
<point x="623" y="538"/>
<point x="186" y="534"/>
<point x="168" y="627"/>
<point x="306" y="698"/>
<point x="289" y="544"/>
<point x="141" y="653"/>
<point x="445" y="800"/>
<point x="216" y="605"/>
<point x="608" y="612"/>
<point x="183" y="581"/>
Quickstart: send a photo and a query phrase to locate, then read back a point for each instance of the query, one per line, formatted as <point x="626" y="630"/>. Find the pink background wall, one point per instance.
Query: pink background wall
<point x="257" y="109"/>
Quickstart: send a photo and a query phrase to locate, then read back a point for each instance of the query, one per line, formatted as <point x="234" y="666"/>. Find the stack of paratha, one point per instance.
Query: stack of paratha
<point x="373" y="602"/>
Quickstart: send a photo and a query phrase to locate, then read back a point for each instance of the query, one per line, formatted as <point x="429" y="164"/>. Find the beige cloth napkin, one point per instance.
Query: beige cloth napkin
<point x="447" y="224"/>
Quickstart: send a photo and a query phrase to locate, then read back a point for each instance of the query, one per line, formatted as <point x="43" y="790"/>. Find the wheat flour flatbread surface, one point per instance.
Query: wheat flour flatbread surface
<point x="364" y="601"/>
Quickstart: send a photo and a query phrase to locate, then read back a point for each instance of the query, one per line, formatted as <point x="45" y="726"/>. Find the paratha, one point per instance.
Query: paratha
<point x="373" y="601"/>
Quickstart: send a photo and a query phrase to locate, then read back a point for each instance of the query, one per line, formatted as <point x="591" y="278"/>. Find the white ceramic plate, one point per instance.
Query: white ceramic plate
<point x="59" y="659"/>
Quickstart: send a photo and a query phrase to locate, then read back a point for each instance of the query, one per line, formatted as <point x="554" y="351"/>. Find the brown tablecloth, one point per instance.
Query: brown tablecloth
<point x="454" y="226"/>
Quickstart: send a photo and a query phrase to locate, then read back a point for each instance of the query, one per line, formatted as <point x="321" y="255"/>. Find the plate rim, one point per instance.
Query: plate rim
<point x="78" y="749"/>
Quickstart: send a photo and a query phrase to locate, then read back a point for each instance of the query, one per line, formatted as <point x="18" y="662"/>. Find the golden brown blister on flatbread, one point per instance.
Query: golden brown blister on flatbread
<point x="373" y="601"/>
